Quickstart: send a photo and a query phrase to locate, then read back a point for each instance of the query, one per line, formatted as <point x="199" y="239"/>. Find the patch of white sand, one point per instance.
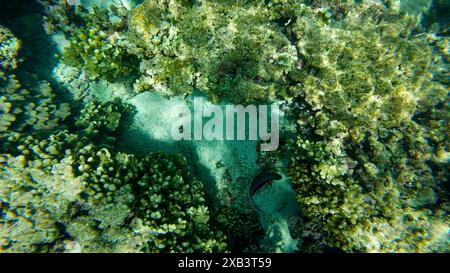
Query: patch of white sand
<point x="220" y="164"/>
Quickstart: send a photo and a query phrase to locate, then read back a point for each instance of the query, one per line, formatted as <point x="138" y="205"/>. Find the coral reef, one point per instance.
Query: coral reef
<point x="9" y="51"/>
<point x="72" y="191"/>
<point x="228" y="50"/>
<point x="99" y="119"/>
<point x="65" y="193"/>
<point x="364" y="83"/>
<point x="36" y="110"/>
<point x="242" y="229"/>
<point x="177" y="46"/>
<point x="58" y="15"/>
<point x="34" y="202"/>
<point x="75" y="80"/>
<point x="99" y="53"/>
<point x="369" y="171"/>
<point x="142" y="204"/>
<point x="25" y="109"/>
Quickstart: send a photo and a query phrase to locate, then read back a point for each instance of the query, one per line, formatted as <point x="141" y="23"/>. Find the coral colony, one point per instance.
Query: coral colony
<point x="139" y="126"/>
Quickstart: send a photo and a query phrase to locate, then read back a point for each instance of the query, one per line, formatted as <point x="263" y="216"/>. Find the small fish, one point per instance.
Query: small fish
<point x="265" y="177"/>
<point x="262" y="179"/>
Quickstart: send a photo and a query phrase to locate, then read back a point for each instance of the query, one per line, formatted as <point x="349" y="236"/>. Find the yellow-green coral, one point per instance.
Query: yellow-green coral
<point x="165" y="209"/>
<point x="97" y="119"/>
<point x="9" y="51"/>
<point x="100" y="53"/>
<point x="63" y="194"/>
<point x="229" y="51"/>
<point x="67" y="193"/>
<point x="367" y="169"/>
<point x="37" y="109"/>
<point x="34" y="203"/>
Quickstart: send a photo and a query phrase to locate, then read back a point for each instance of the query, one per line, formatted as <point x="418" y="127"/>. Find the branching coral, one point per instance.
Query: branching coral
<point x="67" y="193"/>
<point x="58" y="15"/>
<point x="366" y="83"/>
<point x="230" y="51"/>
<point x="367" y="170"/>
<point x="9" y="51"/>
<point x="100" y="54"/>
<point x="99" y="47"/>
<point x="99" y="119"/>
<point x="34" y="203"/>
<point x="29" y="110"/>
<point x="73" y="191"/>
<point x="21" y="109"/>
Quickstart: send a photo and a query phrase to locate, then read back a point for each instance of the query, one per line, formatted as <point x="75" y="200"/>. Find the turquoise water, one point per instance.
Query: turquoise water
<point x="89" y="92"/>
